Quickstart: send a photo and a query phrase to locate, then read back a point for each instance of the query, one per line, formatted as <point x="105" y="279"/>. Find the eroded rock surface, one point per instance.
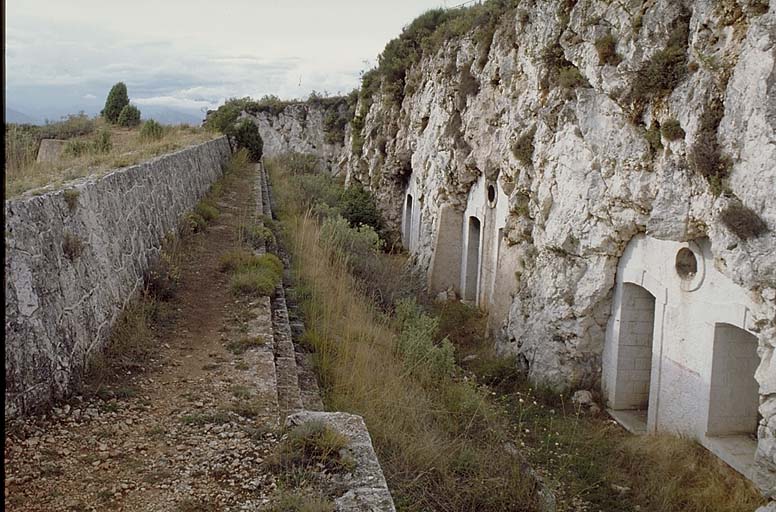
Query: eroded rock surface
<point x="597" y="170"/>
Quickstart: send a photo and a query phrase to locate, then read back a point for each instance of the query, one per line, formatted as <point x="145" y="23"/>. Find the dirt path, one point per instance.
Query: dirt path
<point x="188" y="434"/>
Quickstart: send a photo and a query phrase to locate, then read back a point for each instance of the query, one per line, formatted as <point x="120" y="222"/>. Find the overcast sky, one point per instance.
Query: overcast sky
<point x="63" y="56"/>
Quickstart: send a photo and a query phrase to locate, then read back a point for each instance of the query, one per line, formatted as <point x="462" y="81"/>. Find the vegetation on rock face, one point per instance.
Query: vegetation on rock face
<point x="704" y="154"/>
<point x="672" y="130"/>
<point x="606" y="46"/>
<point x="743" y="221"/>
<point x="425" y="36"/>
<point x="117" y="99"/>
<point x="523" y="147"/>
<point x="666" y="68"/>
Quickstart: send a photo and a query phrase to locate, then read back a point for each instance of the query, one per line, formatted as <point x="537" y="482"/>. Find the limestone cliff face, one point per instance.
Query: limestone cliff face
<point x="581" y="161"/>
<point x="303" y="128"/>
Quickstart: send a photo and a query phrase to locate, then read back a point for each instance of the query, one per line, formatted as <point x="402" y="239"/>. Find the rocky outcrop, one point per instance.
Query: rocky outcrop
<point x="75" y="257"/>
<point x="599" y="121"/>
<point x="317" y="128"/>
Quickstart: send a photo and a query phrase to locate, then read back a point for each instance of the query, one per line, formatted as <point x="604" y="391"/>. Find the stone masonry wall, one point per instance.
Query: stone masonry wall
<point x="75" y="257"/>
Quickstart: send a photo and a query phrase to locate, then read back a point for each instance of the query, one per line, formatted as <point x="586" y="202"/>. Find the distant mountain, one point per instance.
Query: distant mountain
<point x="166" y="115"/>
<point x="14" y="116"/>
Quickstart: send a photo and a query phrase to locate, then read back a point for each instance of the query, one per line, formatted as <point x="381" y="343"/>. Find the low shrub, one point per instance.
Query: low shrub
<point x="606" y="46"/>
<point x="672" y="130"/>
<point x="73" y="125"/>
<point x="254" y="281"/>
<point x="355" y="242"/>
<point x="359" y="207"/>
<point x="76" y="148"/>
<point x="247" y="136"/>
<point x="704" y="154"/>
<point x="417" y="343"/>
<point x="239" y="162"/>
<point x="257" y="276"/>
<point x="665" y="69"/>
<point x="129" y="116"/>
<point x="163" y="276"/>
<point x="256" y="235"/>
<point x="130" y="345"/>
<point x="523" y="147"/>
<point x="103" y="144"/>
<point x="313" y="445"/>
<point x="151" y="130"/>
<point x="235" y="258"/>
<point x="206" y="210"/>
<point x="742" y="221"/>
<point x="570" y="77"/>
<point x="653" y="138"/>
<point x="299" y="502"/>
<point x="206" y="418"/>
<point x="195" y="223"/>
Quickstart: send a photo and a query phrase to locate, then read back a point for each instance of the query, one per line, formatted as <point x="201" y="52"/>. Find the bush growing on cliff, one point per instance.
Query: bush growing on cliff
<point x="117" y="99"/>
<point x="425" y="35"/>
<point x="672" y="130"/>
<point x="129" y="116"/>
<point x="742" y="221"/>
<point x="665" y="69"/>
<point x="247" y="136"/>
<point x="523" y="148"/>
<point x="606" y="46"/>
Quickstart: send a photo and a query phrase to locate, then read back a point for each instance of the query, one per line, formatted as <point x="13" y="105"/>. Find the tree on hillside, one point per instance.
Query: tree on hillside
<point x="129" y="116"/>
<point x="116" y="101"/>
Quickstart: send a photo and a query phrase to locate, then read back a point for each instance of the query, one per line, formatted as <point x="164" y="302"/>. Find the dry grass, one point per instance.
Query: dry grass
<point x="22" y="173"/>
<point x="440" y="445"/>
<point x="674" y="474"/>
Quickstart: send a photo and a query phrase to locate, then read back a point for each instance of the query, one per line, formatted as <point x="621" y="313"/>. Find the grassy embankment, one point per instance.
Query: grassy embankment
<point x="449" y="429"/>
<point x="93" y="146"/>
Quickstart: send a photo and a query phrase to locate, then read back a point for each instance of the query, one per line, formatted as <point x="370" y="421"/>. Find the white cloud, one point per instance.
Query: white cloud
<point x="190" y="55"/>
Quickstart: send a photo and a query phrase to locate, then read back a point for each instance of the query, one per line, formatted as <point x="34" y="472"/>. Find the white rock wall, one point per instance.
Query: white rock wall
<point x="300" y="128"/>
<point x="58" y="308"/>
<point x="593" y="181"/>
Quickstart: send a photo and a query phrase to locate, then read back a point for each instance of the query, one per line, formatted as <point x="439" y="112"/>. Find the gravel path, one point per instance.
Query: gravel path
<point x="188" y="432"/>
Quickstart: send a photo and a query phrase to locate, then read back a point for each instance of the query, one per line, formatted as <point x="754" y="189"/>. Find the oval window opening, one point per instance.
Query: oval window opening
<point x="686" y="263"/>
<point x="491" y="194"/>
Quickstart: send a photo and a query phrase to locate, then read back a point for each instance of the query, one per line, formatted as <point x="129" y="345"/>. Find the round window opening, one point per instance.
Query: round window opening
<point x="492" y="194"/>
<point x="686" y="263"/>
